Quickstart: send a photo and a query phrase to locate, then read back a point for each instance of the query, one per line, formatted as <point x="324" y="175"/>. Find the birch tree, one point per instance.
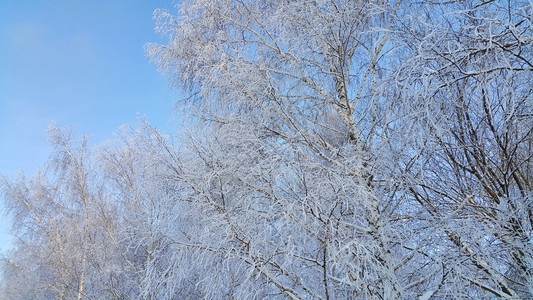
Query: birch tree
<point x="61" y="222"/>
<point x="471" y="77"/>
<point x="301" y="168"/>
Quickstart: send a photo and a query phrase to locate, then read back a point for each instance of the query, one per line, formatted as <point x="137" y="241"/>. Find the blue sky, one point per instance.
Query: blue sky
<point x="77" y="63"/>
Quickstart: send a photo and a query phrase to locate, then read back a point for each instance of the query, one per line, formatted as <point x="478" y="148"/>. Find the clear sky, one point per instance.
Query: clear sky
<point x="78" y="63"/>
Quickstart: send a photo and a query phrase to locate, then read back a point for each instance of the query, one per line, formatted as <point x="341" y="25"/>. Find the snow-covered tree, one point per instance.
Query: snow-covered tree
<point x="64" y="227"/>
<point x="470" y="75"/>
<point x="300" y="158"/>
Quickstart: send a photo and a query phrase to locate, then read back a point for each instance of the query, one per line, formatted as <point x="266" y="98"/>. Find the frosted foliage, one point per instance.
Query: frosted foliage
<point x="65" y="229"/>
<point x="326" y="150"/>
